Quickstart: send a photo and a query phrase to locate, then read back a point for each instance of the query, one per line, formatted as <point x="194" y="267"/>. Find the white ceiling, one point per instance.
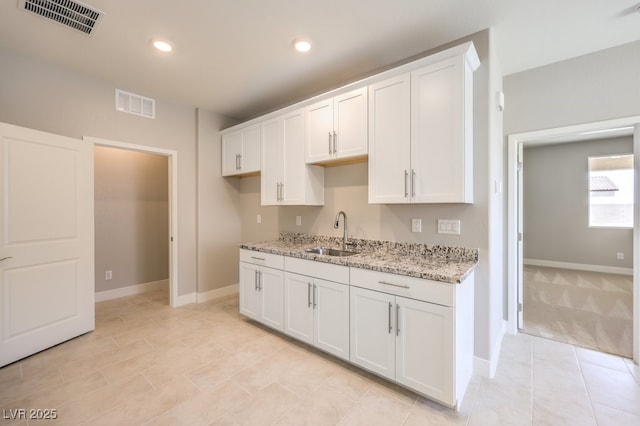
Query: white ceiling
<point x="234" y="56"/>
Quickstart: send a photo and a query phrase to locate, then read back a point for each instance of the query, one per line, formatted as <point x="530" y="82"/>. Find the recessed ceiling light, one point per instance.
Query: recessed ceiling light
<point x="162" y="45"/>
<point x="302" y="45"/>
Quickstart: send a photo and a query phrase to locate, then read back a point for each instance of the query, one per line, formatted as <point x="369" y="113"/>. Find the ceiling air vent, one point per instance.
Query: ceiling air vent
<point x="135" y="104"/>
<point x="72" y="14"/>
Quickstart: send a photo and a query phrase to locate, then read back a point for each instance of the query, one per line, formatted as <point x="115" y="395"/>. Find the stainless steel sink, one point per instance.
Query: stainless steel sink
<point x="331" y="251"/>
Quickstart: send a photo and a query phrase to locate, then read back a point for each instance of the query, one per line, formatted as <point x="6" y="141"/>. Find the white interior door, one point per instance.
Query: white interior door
<point x="46" y="241"/>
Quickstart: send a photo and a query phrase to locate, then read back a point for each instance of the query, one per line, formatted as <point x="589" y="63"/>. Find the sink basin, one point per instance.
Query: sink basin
<point x="331" y="252"/>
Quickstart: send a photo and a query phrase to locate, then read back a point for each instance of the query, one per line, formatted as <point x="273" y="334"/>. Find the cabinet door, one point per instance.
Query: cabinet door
<point x="293" y="166"/>
<point x="231" y="149"/>
<point x="250" y="160"/>
<point x="350" y="124"/>
<point x="270" y="175"/>
<point x="372" y="331"/>
<point x="331" y="317"/>
<point x="424" y="348"/>
<point x="271" y="287"/>
<point x="437" y="130"/>
<point x="298" y="307"/>
<point x="319" y="131"/>
<point x="390" y="141"/>
<point x="250" y="303"/>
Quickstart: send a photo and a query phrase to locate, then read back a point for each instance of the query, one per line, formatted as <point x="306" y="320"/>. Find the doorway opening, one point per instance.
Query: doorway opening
<point x="577" y="203"/>
<point x="517" y="230"/>
<point x="146" y="219"/>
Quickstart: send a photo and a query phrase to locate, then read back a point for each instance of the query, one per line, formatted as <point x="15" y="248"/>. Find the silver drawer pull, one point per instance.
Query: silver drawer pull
<point x="258" y="258"/>
<point x="394" y="285"/>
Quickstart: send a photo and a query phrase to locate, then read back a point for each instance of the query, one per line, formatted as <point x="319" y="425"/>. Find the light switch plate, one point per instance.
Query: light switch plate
<point x="299" y="220"/>
<point x="416" y="225"/>
<point x="448" y="226"/>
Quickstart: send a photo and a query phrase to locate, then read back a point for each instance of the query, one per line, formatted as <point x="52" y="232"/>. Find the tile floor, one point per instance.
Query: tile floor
<point x="204" y="364"/>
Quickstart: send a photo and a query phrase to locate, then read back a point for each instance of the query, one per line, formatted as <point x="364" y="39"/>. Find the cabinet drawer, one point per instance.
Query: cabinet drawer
<point x="264" y="259"/>
<point x="322" y="270"/>
<point x="400" y="285"/>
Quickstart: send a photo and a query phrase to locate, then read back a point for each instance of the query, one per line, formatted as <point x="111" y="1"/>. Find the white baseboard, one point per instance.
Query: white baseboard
<point x="116" y="293"/>
<point x="579" y="266"/>
<point x="487" y="367"/>
<point x="206" y="296"/>
<point x="184" y="299"/>
<point x="217" y="293"/>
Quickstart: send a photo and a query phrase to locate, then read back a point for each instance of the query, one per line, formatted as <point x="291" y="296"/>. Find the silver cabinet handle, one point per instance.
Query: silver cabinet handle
<point x="406" y="183"/>
<point x="397" y="320"/>
<point x="281" y="191"/>
<point x="329" y="143"/>
<point x="239" y="161"/>
<point x="413" y="183"/>
<point x="308" y="295"/>
<point x="393" y="285"/>
<point x="314" y="297"/>
<point x="390" y="308"/>
<point x="255" y="280"/>
<point x="6" y="258"/>
<point x="335" y="142"/>
<point x="259" y="280"/>
<point x="258" y="258"/>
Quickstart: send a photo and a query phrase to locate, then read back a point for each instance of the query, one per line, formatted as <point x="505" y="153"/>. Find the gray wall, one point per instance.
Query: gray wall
<point x="131" y="217"/>
<point x="218" y="209"/>
<point x="595" y="87"/>
<point x="43" y="96"/>
<point x="556" y="206"/>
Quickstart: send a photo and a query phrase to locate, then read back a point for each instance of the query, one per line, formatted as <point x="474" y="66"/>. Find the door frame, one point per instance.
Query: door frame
<point x="629" y="126"/>
<point x="173" y="203"/>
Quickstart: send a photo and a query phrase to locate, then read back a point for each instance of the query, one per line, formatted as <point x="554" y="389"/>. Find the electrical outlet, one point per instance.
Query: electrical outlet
<point x="447" y="226"/>
<point x="299" y="220"/>
<point x="259" y="218"/>
<point x="416" y="225"/>
<point x="620" y="256"/>
<point x="108" y="275"/>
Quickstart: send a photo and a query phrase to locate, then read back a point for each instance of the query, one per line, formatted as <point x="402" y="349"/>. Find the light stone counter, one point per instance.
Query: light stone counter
<point x="438" y="263"/>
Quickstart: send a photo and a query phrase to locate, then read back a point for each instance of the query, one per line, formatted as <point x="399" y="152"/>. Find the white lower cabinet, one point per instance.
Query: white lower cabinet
<point x="317" y="313"/>
<point x="405" y="340"/>
<point x="416" y="332"/>
<point x="262" y="293"/>
<point x="397" y="334"/>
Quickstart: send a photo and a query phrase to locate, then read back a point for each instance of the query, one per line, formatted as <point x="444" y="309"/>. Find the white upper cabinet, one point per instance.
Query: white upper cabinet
<point x="337" y="127"/>
<point x="421" y="134"/>
<point x="390" y="140"/>
<point x="285" y="178"/>
<point x="241" y="151"/>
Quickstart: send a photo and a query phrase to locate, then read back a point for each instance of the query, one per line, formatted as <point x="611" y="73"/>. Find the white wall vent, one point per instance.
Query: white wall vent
<point x="135" y="104"/>
<point x="69" y="13"/>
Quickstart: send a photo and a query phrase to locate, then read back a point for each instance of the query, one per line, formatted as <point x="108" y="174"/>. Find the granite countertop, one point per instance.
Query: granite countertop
<point x="438" y="263"/>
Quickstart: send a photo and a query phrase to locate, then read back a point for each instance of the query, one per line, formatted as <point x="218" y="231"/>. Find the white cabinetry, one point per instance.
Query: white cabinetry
<point x="421" y="133"/>
<point x="337" y="127"/>
<point x="396" y="333"/>
<point x="262" y="288"/>
<point x="241" y="151"/>
<point x="285" y="178"/>
<point x="316" y="309"/>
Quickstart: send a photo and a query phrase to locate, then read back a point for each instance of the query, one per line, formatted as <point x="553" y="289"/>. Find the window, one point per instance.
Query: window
<point x="611" y="191"/>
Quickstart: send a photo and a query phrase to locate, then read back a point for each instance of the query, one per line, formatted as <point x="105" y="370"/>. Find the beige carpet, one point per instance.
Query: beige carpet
<point x="589" y="309"/>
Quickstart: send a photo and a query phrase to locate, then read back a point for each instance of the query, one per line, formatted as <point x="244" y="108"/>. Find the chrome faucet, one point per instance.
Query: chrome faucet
<point x="337" y="224"/>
